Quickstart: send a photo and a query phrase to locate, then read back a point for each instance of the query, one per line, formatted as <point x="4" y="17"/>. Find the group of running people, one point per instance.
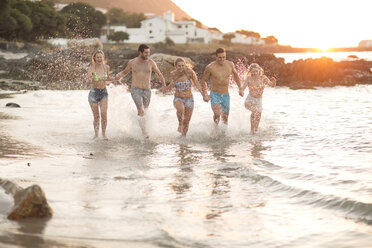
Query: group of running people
<point x="182" y="78"/>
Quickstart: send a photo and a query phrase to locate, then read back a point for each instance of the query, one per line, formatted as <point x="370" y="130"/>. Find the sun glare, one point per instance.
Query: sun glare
<point x="324" y="48"/>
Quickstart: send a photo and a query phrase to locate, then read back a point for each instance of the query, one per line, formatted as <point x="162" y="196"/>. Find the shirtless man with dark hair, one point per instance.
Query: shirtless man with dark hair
<point x="141" y="68"/>
<point x="219" y="72"/>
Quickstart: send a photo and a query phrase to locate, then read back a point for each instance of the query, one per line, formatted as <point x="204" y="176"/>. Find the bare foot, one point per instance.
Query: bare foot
<point x="105" y="138"/>
<point x="95" y="136"/>
<point x="180" y="128"/>
<point x="145" y="134"/>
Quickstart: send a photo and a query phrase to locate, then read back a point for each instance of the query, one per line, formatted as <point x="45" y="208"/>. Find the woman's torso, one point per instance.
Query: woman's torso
<point x="99" y="76"/>
<point x="183" y="86"/>
<point x="256" y="86"/>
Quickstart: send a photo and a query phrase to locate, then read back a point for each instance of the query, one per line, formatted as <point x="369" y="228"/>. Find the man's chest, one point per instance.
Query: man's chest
<point x="142" y="68"/>
<point x="221" y="73"/>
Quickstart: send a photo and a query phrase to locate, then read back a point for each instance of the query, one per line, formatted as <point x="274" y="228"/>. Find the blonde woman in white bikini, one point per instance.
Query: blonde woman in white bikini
<point x="182" y="78"/>
<point x="256" y="82"/>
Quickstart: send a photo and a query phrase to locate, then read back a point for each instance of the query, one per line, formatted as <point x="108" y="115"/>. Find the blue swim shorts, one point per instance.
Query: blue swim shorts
<point x="141" y="97"/>
<point x="222" y="99"/>
<point x="97" y="95"/>
<point x="188" y="102"/>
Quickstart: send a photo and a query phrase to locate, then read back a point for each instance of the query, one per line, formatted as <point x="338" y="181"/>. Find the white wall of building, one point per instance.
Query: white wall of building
<point x="249" y="40"/>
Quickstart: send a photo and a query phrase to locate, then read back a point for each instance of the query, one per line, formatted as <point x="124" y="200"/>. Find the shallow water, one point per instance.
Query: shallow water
<point x="336" y="56"/>
<point x="303" y="181"/>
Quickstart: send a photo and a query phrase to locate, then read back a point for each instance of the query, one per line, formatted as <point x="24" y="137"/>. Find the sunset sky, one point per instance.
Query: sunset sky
<point x="299" y="23"/>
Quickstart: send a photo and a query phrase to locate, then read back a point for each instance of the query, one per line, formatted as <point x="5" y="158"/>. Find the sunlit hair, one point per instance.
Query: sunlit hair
<point x="187" y="68"/>
<point x="255" y="66"/>
<point x="179" y="60"/>
<point x="220" y="50"/>
<point x="94" y="56"/>
<point x="142" y="48"/>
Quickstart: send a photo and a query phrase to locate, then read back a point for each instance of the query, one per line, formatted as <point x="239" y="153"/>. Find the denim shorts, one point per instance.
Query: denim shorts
<point x="187" y="101"/>
<point x="256" y="102"/>
<point x="97" y="95"/>
<point x="222" y="99"/>
<point x="141" y="97"/>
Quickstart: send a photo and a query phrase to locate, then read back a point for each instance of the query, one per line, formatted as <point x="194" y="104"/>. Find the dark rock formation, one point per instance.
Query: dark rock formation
<point x="12" y="105"/>
<point x="28" y="203"/>
<point x="66" y="69"/>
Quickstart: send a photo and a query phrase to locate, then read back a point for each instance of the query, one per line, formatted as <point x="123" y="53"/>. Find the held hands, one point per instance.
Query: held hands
<point x="163" y="89"/>
<point x="206" y="97"/>
<point x="117" y="77"/>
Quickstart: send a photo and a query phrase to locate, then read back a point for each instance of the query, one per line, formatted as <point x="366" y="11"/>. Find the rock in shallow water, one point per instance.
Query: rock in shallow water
<point x="12" y="105"/>
<point x="28" y="203"/>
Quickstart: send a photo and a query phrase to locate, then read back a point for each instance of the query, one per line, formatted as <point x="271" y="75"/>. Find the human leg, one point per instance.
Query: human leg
<point x="225" y="107"/>
<point x="180" y="109"/>
<point x="216" y="113"/>
<point x="254" y="105"/>
<point x="186" y="120"/>
<point x="225" y="117"/>
<point x="255" y="120"/>
<point x="103" y="104"/>
<point x="95" y="110"/>
<point x="138" y="98"/>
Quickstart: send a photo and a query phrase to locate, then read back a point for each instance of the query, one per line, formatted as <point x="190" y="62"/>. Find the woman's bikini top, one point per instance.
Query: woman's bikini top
<point x="96" y="78"/>
<point x="257" y="87"/>
<point x="182" y="85"/>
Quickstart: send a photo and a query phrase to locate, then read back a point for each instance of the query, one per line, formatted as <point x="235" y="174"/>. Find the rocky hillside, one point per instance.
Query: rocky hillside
<point x="158" y="7"/>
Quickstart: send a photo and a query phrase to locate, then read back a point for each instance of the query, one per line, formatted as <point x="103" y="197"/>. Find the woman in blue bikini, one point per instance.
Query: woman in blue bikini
<point x="98" y="76"/>
<point x="182" y="79"/>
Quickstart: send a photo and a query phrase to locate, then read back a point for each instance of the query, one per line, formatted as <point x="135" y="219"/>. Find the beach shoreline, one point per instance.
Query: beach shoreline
<point x="205" y="190"/>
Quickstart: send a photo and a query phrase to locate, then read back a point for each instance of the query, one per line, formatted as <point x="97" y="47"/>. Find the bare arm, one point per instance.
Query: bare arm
<point x="203" y="82"/>
<point x="196" y="82"/>
<point x="205" y="77"/>
<point x="88" y="75"/>
<point x="236" y="77"/>
<point x="170" y="85"/>
<point x="270" y="82"/>
<point x="126" y="70"/>
<point x="246" y="82"/>
<point x="158" y="72"/>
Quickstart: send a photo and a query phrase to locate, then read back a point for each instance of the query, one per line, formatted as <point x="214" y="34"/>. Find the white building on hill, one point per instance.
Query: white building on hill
<point x="241" y="38"/>
<point x="158" y="28"/>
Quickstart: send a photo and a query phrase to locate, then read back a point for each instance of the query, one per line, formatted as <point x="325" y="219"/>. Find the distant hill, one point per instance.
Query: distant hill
<point x="158" y="7"/>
